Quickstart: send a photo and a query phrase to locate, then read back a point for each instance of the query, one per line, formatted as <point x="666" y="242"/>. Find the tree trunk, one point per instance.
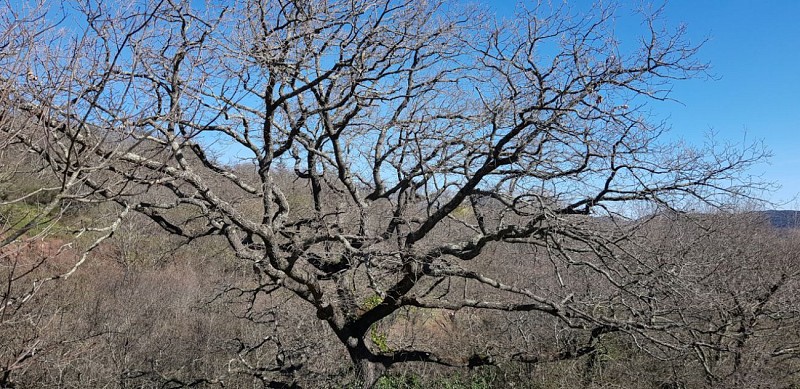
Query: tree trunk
<point x="367" y="373"/>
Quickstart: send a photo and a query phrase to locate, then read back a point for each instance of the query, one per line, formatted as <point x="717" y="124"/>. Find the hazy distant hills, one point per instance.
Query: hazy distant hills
<point x="782" y="219"/>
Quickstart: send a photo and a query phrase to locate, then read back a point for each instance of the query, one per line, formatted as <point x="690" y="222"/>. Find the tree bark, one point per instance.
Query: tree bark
<point x="367" y="372"/>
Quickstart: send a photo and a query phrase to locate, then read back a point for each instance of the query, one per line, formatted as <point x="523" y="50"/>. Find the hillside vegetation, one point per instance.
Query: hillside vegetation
<point x="149" y="310"/>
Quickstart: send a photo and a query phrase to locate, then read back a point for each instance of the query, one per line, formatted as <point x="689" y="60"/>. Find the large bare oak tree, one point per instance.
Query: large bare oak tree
<point x="366" y="154"/>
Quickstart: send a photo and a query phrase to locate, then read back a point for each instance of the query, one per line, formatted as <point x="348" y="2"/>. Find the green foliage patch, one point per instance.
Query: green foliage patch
<point x="481" y="380"/>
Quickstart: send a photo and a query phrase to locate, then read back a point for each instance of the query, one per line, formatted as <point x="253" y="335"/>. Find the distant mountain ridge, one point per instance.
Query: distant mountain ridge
<point x="782" y="218"/>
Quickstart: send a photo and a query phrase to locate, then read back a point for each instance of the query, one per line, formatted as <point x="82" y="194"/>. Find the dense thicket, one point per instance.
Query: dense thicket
<point x="152" y="311"/>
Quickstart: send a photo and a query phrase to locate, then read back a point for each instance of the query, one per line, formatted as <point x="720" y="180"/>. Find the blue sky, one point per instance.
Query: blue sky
<point x="754" y="49"/>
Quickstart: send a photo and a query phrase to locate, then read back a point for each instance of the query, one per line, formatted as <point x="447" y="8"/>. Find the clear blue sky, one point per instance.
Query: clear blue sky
<point x="754" y="51"/>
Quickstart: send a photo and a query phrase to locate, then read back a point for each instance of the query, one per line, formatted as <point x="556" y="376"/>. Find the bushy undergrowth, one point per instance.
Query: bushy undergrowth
<point x="151" y="310"/>
<point x="455" y="381"/>
<point x="183" y="320"/>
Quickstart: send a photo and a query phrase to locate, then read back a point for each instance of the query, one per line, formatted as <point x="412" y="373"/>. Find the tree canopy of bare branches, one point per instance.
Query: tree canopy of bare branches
<point x="372" y="155"/>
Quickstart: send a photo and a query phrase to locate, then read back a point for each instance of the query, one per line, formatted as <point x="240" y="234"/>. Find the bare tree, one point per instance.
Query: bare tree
<point x="731" y="282"/>
<point x="365" y="155"/>
<point x="41" y="240"/>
